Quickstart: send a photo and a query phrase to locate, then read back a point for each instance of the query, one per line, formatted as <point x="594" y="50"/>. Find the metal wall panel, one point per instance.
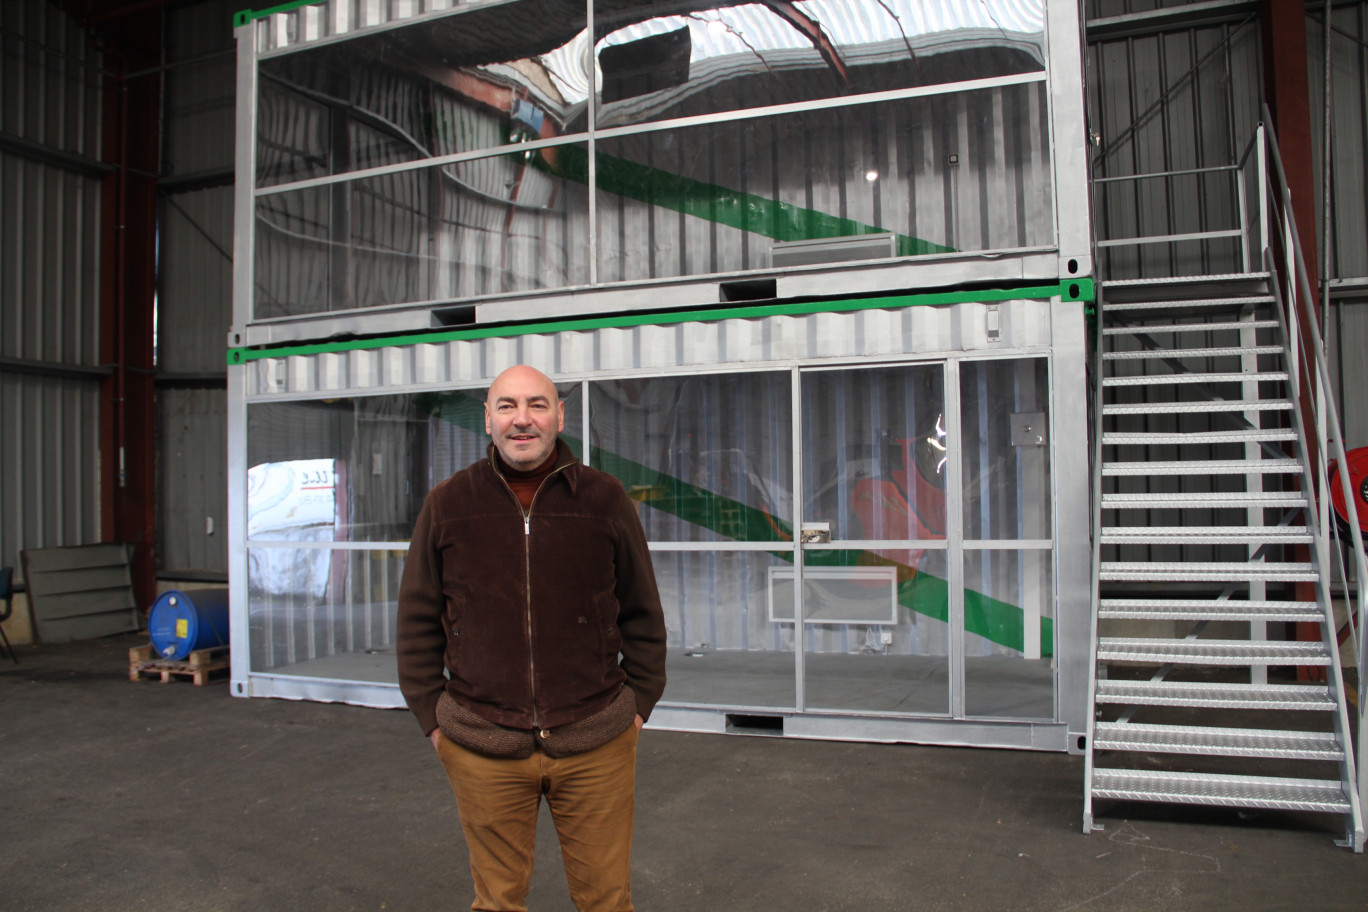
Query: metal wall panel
<point x="49" y="279"/>
<point x="51" y="75"/>
<point x="199" y="89"/>
<point x="194" y="293"/>
<point x="49" y="483"/>
<point x="1349" y="131"/>
<point x="195" y="289"/>
<point x="192" y="496"/>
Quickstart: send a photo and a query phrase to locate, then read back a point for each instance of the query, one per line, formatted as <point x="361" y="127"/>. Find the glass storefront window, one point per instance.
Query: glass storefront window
<point x="743" y="195"/>
<point x="1006" y="449"/>
<point x="707" y="457"/>
<point x="358" y="469"/>
<point x="1009" y="648"/>
<point x="726" y="645"/>
<point x="323" y="612"/>
<point x="443" y="86"/>
<point x="506" y="223"/>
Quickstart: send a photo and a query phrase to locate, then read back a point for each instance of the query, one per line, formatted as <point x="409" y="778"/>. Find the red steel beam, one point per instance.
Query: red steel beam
<point x="131" y="140"/>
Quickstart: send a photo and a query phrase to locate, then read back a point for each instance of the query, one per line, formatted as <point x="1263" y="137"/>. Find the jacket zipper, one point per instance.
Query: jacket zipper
<point x="527" y="584"/>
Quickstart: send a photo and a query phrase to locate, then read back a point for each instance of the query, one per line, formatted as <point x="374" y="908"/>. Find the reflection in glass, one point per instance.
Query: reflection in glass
<point x="377" y="449"/>
<point x="708" y="457"/>
<point x="1009" y="634"/>
<point x="725" y="646"/>
<point x="876" y="638"/>
<point x="1005" y="406"/>
<point x="748" y="55"/>
<point x="332" y="618"/>
<point x="442" y="86"/>
<point x="359" y="469"/>
<point x="874" y="449"/>
<point x="501" y="224"/>
<point x="959" y="172"/>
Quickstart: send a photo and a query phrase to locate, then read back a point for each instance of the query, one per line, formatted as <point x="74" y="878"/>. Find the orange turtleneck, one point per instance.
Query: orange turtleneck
<point x="525" y="484"/>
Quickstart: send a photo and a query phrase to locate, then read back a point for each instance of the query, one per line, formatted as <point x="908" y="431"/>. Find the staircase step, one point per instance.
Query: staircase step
<point x="1216" y="742"/>
<point x="1205" y="467"/>
<point x="1206" y="535"/>
<point x="1148" y="328"/>
<point x="1321" y="795"/>
<point x="1205" y="572"/>
<point x="1211" y="652"/>
<point x="1205" y="695"/>
<point x="1153" y="438"/>
<point x="1207" y="610"/>
<point x="1204" y="500"/>
<point x="1160" y="379"/>
<point x="1186" y="303"/>
<point x="1203" y="408"/>
<point x="1128" y="289"/>
<point x="1151" y="353"/>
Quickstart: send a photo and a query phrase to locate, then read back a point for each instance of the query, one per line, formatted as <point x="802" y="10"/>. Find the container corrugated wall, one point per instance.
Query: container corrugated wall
<point x="49" y="275"/>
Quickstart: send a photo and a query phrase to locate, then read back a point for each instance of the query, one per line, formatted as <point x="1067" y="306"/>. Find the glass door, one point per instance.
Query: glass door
<point x="874" y="602"/>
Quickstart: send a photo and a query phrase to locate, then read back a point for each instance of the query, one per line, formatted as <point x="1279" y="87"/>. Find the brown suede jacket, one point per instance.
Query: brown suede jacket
<point x="537" y="619"/>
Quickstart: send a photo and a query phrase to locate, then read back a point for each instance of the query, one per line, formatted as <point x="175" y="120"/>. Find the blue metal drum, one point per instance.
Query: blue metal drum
<point x="181" y="622"/>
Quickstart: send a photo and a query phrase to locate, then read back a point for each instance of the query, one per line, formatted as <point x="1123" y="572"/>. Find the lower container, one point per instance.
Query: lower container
<point x="181" y="622"/>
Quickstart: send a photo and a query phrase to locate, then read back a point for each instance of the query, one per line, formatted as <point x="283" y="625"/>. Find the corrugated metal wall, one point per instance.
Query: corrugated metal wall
<point x="1173" y="100"/>
<point x="49" y="274"/>
<point x="1347" y="316"/>
<point x="195" y="289"/>
<point x="1200" y="90"/>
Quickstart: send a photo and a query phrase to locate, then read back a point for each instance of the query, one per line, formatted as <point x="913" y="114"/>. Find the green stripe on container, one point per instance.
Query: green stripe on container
<point x="1073" y="290"/>
<point x="714" y="203"/>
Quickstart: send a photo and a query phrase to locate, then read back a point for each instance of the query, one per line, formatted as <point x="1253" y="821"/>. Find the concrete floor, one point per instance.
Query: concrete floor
<point x="123" y="796"/>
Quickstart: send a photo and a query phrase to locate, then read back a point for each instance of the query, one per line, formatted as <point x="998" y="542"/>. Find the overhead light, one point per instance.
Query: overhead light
<point x="871" y="176"/>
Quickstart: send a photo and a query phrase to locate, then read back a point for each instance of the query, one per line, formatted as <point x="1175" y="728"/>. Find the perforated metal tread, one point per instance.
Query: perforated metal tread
<point x="1199" y="408"/>
<point x="1213" y="326"/>
<point x="1186" y="303"/>
<point x="1206" y="535"/>
<point x="1290" y="697"/>
<point x="1321" y="795"/>
<point x="1150" y="438"/>
<point x="1180" y="353"/>
<point x="1204" y="500"/>
<point x="1206" y="571"/>
<point x="1162" y="379"/>
<point x="1208" y="610"/>
<point x="1204" y="467"/>
<point x="1212" y="652"/>
<point x="1216" y="742"/>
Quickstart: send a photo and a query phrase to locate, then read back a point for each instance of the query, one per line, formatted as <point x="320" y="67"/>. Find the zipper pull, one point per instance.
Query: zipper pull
<point x="527" y="525"/>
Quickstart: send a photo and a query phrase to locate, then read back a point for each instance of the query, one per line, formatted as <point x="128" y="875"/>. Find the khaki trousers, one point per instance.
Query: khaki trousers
<point x="591" y="801"/>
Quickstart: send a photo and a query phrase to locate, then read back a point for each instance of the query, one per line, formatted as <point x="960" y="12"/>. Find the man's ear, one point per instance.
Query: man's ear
<point x="560" y="409"/>
<point x="487" y="429"/>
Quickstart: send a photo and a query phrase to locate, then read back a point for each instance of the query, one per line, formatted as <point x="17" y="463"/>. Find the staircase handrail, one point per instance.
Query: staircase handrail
<point x="1096" y="538"/>
<point x="1322" y="373"/>
<point x="1302" y="329"/>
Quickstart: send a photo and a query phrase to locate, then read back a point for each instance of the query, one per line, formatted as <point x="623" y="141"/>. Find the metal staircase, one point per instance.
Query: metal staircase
<point x="1206" y="552"/>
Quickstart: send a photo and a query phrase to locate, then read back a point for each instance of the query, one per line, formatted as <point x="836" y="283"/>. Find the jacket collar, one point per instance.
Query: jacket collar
<point x="567" y="464"/>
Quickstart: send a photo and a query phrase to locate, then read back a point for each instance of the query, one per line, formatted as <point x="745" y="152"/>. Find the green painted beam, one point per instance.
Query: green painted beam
<point x="1072" y="290"/>
<point x="242" y="17"/>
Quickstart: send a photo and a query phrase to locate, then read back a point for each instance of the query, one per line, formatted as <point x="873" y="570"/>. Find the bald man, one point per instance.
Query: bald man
<point x="531" y="649"/>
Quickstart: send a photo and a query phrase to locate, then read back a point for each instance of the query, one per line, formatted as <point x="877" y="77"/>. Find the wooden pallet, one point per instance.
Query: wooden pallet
<point x="201" y="665"/>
